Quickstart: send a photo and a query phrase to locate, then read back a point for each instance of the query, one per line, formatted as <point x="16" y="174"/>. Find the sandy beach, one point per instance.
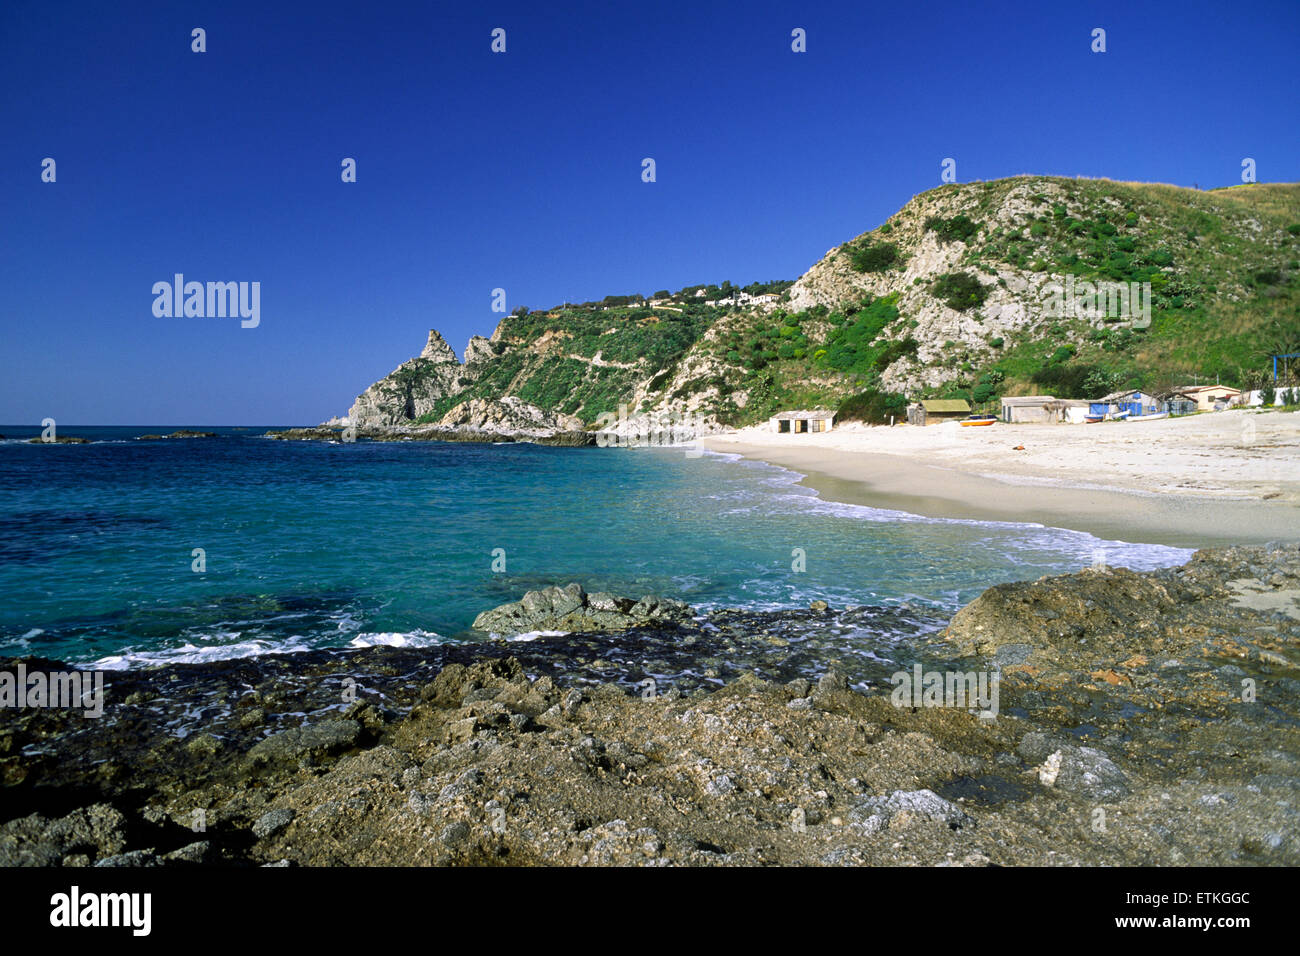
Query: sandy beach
<point x="1208" y="479"/>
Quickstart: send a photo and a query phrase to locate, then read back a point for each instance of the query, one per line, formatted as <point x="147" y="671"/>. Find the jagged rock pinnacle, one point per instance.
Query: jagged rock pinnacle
<point x="437" y="349"/>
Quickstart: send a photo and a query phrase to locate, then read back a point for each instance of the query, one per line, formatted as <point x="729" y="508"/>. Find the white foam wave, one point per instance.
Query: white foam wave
<point x="189" y="653"/>
<point x="1136" y="556"/>
<point x="534" y="635"/>
<point x="416" y="638"/>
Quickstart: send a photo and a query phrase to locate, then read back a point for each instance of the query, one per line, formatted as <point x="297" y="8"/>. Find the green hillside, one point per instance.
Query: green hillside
<point x="945" y="299"/>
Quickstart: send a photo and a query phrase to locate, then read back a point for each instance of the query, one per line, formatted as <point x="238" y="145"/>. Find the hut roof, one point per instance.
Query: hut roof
<point x="945" y="405"/>
<point x="802" y="415"/>
<point x="1027" y="399"/>
<point x="1125" y="393"/>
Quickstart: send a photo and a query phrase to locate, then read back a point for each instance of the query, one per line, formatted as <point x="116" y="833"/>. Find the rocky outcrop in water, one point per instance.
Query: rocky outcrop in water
<point x="571" y="608"/>
<point x="181" y="434"/>
<point x="569" y="439"/>
<point x="1110" y="615"/>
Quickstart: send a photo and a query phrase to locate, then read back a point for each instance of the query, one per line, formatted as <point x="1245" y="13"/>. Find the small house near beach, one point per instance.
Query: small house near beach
<point x="818" y="420"/>
<point x="1043" y="410"/>
<point x="936" y="411"/>
<point x="1209" y="398"/>
<point x="1026" y="408"/>
<point x="1133" y="402"/>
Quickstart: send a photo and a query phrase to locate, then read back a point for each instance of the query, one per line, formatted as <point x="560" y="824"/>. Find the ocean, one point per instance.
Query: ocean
<point x="126" y="553"/>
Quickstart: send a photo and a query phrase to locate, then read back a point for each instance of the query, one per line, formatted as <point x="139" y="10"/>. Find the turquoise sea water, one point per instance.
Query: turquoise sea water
<point x="310" y="544"/>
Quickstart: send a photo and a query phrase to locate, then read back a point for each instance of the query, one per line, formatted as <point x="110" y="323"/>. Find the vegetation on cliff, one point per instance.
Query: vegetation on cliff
<point x="946" y="299"/>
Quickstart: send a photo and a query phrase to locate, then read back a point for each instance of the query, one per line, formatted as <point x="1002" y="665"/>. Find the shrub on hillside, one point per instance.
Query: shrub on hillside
<point x="957" y="229"/>
<point x="873" y="407"/>
<point x="959" y="290"/>
<point x="895" y="350"/>
<point x="1078" y="380"/>
<point x="852" y="346"/>
<point x="874" y="257"/>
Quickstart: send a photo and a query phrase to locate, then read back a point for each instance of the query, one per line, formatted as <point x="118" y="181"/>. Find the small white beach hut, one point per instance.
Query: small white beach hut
<point x="817" y="420"/>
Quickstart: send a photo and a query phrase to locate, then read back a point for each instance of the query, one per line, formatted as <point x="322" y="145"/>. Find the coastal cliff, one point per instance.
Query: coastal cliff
<point x="413" y="388"/>
<point x="949" y="297"/>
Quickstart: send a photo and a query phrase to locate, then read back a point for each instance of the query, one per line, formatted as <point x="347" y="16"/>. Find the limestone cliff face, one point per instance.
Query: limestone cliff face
<point x="1010" y="305"/>
<point x="425" y="383"/>
<point x="478" y="350"/>
<point x="437" y="350"/>
<point x="510" y="416"/>
<point x="412" y="389"/>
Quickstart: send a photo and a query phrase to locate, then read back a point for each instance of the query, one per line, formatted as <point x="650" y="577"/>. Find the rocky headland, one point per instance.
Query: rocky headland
<point x="1140" y="719"/>
<point x="334" y="433"/>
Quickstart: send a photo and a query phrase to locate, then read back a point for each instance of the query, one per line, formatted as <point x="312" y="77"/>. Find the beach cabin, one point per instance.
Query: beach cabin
<point x="1043" y="410"/>
<point x="1134" y="402"/>
<point x="1209" y="398"/>
<point x="1027" y="408"/>
<point x="1072" y="410"/>
<point x="817" y="420"/>
<point x="936" y="411"/>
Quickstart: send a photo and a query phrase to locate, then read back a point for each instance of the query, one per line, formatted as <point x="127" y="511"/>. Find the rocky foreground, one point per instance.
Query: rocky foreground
<point x="1140" y="719"/>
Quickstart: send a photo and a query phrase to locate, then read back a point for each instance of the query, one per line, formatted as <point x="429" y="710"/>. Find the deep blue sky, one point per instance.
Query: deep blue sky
<point x="522" y="170"/>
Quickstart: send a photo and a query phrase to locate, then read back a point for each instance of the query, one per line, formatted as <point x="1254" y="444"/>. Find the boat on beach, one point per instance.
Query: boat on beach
<point x="977" y="420"/>
<point x="1117" y="417"/>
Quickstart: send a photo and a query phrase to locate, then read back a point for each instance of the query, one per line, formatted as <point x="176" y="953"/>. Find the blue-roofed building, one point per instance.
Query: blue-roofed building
<point x="1134" y="402"/>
